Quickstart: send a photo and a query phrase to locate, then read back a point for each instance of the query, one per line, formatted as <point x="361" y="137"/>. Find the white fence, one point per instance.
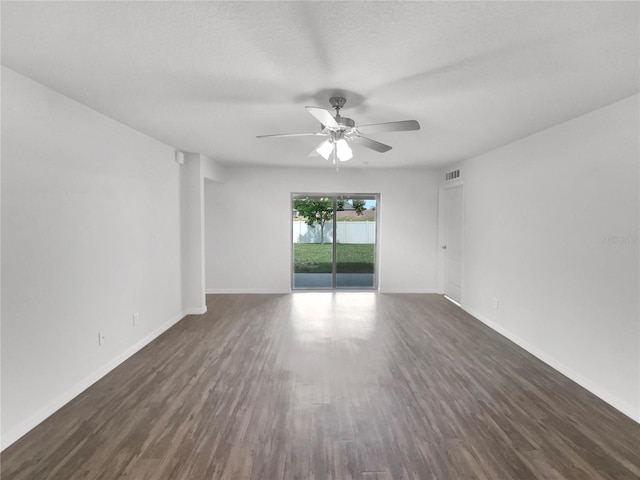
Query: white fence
<point x="347" y="232"/>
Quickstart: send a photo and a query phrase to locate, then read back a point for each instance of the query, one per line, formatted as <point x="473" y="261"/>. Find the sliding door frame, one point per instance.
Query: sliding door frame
<point x="335" y="197"/>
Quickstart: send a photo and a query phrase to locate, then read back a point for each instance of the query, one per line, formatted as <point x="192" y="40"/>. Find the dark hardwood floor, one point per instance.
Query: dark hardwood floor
<point x="330" y="386"/>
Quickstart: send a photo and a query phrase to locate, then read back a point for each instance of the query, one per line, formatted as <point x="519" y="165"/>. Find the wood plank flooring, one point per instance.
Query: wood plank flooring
<point x="348" y="385"/>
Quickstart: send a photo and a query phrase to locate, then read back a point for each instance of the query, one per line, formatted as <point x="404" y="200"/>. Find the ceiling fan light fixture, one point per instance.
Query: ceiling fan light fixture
<point x="343" y="150"/>
<point x="325" y="149"/>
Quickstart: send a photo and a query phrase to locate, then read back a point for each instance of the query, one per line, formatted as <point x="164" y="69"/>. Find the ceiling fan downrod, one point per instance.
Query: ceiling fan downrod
<point x="338" y="103"/>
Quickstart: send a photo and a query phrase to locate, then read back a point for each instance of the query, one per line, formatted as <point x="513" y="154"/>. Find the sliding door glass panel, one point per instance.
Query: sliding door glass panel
<point x="356" y="241"/>
<point x="313" y="241"/>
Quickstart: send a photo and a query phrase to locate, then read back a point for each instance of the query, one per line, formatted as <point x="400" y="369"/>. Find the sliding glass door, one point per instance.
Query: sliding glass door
<point x="334" y="241"/>
<point x="356" y="242"/>
<point x="313" y="241"/>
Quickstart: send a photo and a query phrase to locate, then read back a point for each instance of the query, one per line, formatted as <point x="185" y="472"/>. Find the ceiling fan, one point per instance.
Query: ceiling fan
<point x="342" y="130"/>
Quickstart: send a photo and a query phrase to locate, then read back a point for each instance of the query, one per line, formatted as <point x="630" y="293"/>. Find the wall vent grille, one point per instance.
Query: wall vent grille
<point x="452" y="175"/>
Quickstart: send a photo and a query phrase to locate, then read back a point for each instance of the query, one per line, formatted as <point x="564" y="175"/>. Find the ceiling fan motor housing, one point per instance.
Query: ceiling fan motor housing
<point x="344" y="121"/>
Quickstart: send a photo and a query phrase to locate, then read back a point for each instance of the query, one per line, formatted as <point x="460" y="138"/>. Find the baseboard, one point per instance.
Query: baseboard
<point x="25" y="426"/>
<point x="405" y="291"/>
<point x="263" y="291"/>
<point x="195" y="311"/>
<point x="620" y="405"/>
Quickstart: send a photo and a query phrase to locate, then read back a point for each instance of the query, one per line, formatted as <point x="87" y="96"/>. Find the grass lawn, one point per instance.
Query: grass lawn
<point x="316" y="257"/>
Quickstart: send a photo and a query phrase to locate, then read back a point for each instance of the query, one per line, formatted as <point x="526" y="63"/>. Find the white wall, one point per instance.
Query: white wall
<point x="248" y="225"/>
<point x="90" y="235"/>
<point x="212" y="170"/>
<point x="192" y="234"/>
<point x="538" y="213"/>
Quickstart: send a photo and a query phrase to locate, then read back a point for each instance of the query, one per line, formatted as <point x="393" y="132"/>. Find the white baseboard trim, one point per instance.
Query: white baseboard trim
<point x="624" y="407"/>
<point x="195" y="311"/>
<point x="57" y="403"/>
<point x="269" y="291"/>
<point x="405" y="290"/>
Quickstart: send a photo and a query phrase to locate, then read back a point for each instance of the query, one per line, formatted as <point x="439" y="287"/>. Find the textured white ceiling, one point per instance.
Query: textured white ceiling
<point x="209" y="76"/>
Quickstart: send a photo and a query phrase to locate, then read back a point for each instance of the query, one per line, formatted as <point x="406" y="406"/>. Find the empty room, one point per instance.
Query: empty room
<point x="320" y="240"/>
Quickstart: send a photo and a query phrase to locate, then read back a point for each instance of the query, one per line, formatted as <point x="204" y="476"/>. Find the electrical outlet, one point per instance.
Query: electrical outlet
<point x="100" y="339"/>
<point x="496" y="303"/>
<point x="136" y="319"/>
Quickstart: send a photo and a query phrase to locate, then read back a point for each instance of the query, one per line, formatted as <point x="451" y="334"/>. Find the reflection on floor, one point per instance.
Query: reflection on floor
<point x="333" y="386"/>
<point x="323" y="280"/>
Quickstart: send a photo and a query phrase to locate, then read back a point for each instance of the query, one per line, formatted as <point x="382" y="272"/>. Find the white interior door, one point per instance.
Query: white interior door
<point x="452" y="241"/>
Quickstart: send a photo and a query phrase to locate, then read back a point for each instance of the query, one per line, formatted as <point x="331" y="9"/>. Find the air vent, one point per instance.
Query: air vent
<point x="452" y="175"/>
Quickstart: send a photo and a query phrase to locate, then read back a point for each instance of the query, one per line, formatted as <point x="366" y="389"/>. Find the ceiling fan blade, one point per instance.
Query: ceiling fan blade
<point x="402" y="126"/>
<point x="372" y="144"/>
<point x="290" y="135"/>
<point x="323" y="116"/>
